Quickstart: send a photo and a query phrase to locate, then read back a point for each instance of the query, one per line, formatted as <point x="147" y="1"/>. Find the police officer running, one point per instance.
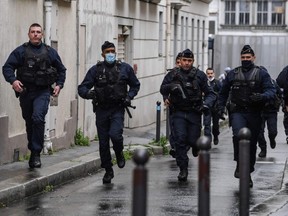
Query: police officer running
<point x="110" y="97"/>
<point x="38" y="67"/>
<point x="269" y="116"/>
<point x="213" y="113"/>
<point x="172" y="151"/>
<point x="250" y="87"/>
<point x="282" y="81"/>
<point x="185" y="87"/>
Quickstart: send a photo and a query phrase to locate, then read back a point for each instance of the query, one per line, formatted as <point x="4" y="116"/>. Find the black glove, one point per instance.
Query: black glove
<point x="256" y="97"/>
<point x="91" y="94"/>
<point x="205" y="110"/>
<point x="175" y="89"/>
<point x="127" y="101"/>
<point x="221" y="113"/>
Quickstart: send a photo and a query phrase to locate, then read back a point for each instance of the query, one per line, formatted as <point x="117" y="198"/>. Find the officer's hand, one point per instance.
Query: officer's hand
<point x="167" y="102"/>
<point x="56" y="91"/>
<point x="91" y="94"/>
<point x="205" y="110"/>
<point x="221" y="113"/>
<point x="257" y="97"/>
<point x="127" y="101"/>
<point x="17" y="86"/>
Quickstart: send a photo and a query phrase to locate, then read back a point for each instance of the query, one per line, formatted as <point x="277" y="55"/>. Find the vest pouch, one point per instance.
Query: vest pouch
<point x="120" y="92"/>
<point x="46" y="77"/>
<point x="52" y="75"/>
<point x="27" y="77"/>
<point x="41" y="79"/>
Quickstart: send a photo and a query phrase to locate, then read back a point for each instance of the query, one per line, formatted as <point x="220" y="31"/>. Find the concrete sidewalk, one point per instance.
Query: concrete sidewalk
<point x="17" y="181"/>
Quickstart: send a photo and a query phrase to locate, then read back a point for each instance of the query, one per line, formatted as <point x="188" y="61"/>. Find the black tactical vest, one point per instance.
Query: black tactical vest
<point x="191" y="88"/>
<point x="242" y="88"/>
<point x="37" y="69"/>
<point x="109" y="87"/>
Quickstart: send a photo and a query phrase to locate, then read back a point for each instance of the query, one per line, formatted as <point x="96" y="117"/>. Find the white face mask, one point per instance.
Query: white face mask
<point x="211" y="79"/>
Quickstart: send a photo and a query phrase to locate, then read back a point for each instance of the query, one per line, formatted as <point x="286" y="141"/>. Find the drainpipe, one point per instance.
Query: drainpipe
<point x="47" y="37"/>
<point x="167" y="62"/>
<point x="168" y="33"/>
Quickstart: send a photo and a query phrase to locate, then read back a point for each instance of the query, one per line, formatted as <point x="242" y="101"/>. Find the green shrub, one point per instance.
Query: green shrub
<point x="80" y="139"/>
<point x="48" y="188"/>
<point x="162" y="142"/>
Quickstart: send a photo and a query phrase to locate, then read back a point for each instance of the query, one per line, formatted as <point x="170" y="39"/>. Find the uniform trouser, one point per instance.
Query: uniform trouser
<point x="187" y="129"/>
<point x="34" y="106"/>
<point x="212" y="116"/>
<point x="171" y="135"/>
<point x="285" y="122"/>
<point x="252" y="121"/>
<point x="110" y="124"/>
<point x="271" y="119"/>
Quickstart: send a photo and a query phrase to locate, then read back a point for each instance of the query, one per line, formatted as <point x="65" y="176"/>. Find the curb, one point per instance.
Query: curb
<point x="53" y="175"/>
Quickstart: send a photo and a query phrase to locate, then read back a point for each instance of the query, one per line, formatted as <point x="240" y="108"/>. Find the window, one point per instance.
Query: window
<point x="182" y="33"/>
<point x="160" y="39"/>
<point x="277" y="15"/>
<point x="262" y="12"/>
<point x="230" y="12"/>
<point x="244" y="12"/>
<point x="259" y="13"/>
<point x="212" y="26"/>
<point x="192" y="34"/>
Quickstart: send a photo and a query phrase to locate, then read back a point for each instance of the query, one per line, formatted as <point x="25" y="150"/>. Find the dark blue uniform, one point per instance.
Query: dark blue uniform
<point x="212" y="115"/>
<point x="187" y="112"/>
<point x="34" y="101"/>
<point x="269" y="115"/>
<point x="282" y="81"/>
<point x="244" y="112"/>
<point x="109" y="112"/>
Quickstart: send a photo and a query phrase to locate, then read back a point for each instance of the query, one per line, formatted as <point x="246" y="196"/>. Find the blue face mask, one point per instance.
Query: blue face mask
<point x="110" y="58"/>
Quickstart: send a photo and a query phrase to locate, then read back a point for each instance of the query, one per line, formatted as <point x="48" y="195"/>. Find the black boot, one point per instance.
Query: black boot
<point x="34" y="160"/>
<point x="182" y="177"/>
<point x="195" y="151"/>
<point x="109" y="174"/>
<point x="172" y="152"/>
<point x="216" y="140"/>
<point x="272" y="143"/>
<point x="236" y="173"/>
<point x="262" y="153"/>
<point x="120" y="159"/>
<point x="250" y="182"/>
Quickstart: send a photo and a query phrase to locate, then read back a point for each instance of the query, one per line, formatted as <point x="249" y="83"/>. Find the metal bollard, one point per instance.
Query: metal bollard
<point x="244" y="169"/>
<point x="158" y="120"/>
<point x="140" y="157"/>
<point x="204" y="144"/>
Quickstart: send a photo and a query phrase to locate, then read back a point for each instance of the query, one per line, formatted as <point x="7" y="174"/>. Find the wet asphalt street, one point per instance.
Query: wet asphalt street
<point x="166" y="196"/>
